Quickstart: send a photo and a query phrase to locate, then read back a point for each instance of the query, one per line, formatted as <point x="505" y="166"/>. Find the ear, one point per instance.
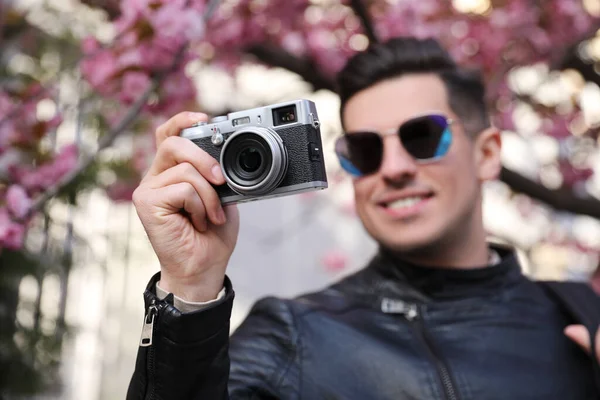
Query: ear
<point x="488" y="146"/>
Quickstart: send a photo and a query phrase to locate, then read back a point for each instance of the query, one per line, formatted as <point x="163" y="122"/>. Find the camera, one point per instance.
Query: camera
<point x="265" y="152"/>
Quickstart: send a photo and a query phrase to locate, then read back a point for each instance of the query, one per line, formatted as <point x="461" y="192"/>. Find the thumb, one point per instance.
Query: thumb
<point x="579" y="334"/>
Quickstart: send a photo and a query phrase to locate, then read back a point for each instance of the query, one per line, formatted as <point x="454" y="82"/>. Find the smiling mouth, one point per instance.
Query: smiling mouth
<point x="406" y="202"/>
<point x="406" y="206"/>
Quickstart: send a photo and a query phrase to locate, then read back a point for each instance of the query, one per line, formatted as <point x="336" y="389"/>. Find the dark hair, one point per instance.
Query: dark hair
<point x="405" y="55"/>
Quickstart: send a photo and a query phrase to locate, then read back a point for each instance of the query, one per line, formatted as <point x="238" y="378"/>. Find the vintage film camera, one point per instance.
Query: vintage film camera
<point x="265" y="152"/>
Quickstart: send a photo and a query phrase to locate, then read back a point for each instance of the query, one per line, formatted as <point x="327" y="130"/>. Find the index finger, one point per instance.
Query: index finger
<point x="177" y="150"/>
<point x="176" y="123"/>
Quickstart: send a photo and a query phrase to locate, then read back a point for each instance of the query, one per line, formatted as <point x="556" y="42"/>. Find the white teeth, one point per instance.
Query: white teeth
<point x="406" y="202"/>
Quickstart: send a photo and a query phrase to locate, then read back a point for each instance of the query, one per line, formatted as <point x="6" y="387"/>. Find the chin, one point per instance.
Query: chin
<point x="409" y="247"/>
<point x="415" y="238"/>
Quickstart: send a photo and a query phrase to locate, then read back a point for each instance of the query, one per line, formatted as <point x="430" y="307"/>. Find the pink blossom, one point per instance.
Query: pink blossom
<point x="133" y="86"/>
<point x="334" y="260"/>
<point x="567" y="7"/>
<point x="11" y="233"/>
<point x="89" y="45"/>
<point x="176" y="93"/>
<point x="18" y="201"/>
<point x="227" y="60"/>
<point x="47" y="174"/>
<point x="504" y="119"/>
<point x="4" y="219"/>
<point x="14" y="236"/>
<point x="572" y="175"/>
<point x="557" y="127"/>
<point x="99" y="68"/>
<point x="167" y="21"/>
<point x="128" y="18"/>
<point x="121" y="191"/>
<point x="6" y="103"/>
<point x="227" y="33"/>
<point x="8" y="132"/>
<point x="66" y="160"/>
<point x="173" y="20"/>
<point x="130" y="58"/>
<point x="10" y="157"/>
<point x="294" y="43"/>
<point x="143" y="7"/>
<point x="426" y="7"/>
<point x="158" y="54"/>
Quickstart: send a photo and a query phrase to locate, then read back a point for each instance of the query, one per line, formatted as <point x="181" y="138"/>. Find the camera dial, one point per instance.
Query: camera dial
<point x="219" y="118"/>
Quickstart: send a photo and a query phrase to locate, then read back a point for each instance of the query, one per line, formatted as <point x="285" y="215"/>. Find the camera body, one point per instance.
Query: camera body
<point x="265" y="152"/>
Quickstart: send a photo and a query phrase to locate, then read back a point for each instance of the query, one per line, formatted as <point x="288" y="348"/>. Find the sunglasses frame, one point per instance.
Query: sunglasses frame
<point x="396" y="131"/>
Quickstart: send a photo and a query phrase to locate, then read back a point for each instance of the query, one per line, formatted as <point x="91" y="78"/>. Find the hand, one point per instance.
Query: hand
<point x="192" y="235"/>
<point x="580" y="335"/>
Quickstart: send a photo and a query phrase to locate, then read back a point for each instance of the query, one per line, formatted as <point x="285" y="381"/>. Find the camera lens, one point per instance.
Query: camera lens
<point x="247" y="159"/>
<point x="250" y="159"/>
<point x="254" y="160"/>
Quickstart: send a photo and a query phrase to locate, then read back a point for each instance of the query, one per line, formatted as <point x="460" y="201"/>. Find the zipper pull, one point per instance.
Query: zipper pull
<point x="392" y="306"/>
<point x="148" y="328"/>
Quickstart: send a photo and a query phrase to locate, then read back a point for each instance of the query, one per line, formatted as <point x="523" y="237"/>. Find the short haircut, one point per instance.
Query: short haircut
<point x="408" y="55"/>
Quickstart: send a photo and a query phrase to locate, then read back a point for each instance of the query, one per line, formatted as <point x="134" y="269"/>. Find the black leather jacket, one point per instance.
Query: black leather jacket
<point x="392" y="331"/>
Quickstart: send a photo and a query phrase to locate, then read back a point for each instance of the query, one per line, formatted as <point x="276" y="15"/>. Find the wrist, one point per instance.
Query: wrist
<point x="192" y="291"/>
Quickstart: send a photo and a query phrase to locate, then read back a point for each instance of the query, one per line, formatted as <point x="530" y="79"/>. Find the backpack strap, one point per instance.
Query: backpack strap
<point x="582" y="304"/>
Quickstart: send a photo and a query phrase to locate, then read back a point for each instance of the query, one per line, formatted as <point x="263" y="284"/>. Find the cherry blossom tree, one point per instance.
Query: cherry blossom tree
<point x="154" y="41"/>
<point x="139" y="78"/>
<point x="538" y="59"/>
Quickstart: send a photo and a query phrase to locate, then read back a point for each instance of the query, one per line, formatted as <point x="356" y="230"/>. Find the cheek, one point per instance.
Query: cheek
<point x="363" y="189"/>
<point x="458" y="177"/>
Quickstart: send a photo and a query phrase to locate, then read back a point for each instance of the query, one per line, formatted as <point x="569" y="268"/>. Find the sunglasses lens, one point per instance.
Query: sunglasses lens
<point x="426" y="137"/>
<point x="360" y="152"/>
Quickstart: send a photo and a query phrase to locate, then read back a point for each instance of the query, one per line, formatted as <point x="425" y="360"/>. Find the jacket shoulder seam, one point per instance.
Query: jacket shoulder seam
<point x="314" y="306"/>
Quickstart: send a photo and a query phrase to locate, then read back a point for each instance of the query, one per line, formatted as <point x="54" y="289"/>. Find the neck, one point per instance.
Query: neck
<point x="466" y="249"/>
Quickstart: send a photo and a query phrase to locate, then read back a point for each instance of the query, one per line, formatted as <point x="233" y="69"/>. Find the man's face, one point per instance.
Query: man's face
<point x="409" y="206"/>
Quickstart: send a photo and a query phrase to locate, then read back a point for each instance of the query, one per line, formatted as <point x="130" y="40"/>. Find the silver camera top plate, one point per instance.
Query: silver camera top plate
<point x="306" y="114"/>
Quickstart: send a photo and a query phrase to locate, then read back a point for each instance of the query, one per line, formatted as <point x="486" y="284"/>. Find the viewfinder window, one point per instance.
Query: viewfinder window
<point x="284" y="115"/>
<point x="240" y="121"/>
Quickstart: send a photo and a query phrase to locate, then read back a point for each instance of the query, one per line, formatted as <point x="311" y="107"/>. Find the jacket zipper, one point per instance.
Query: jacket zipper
<point x="148" y="332"/>
<point x="411" y="313"/>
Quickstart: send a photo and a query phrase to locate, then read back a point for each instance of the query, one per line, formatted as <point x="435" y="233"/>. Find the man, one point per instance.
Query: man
<point x="437" y="314"/>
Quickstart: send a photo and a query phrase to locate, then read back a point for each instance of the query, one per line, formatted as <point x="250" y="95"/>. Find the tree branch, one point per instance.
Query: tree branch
<point x="561" y="199"/>
<point x="129" y="117"/>
<point x="278" y="57"/>
<point x="103" y="143"/>
<point x="112" y="7"/>
<point x="363" y="14"/>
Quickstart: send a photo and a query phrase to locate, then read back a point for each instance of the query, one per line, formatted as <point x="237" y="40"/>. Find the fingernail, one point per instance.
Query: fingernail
<point x="221" y="218"/>
<point x="217" y="173"/>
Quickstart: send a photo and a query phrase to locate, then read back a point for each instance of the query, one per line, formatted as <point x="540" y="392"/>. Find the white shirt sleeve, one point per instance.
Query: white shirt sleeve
<point x="188" y="306"/>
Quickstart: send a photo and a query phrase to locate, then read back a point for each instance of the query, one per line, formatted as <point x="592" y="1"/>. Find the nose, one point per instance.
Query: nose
<point x="397" y="165"/>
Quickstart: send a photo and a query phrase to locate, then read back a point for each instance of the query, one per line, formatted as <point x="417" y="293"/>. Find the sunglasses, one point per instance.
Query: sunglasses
<point x="426" y="138"/>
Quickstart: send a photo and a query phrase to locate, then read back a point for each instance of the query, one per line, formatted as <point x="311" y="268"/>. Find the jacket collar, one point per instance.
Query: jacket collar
<point x="390" y="276"/>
